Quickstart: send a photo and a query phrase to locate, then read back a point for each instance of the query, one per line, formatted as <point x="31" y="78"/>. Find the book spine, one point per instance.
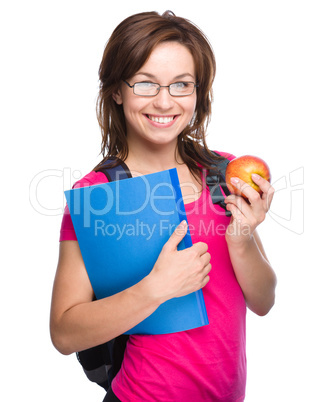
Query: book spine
<point x="180" y="204"/>
<point x="187" y="239"/>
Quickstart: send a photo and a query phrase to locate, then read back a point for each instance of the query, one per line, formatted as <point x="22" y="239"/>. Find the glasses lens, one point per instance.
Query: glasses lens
<point x="182" y="88"/>
<point x="146" y="89"/>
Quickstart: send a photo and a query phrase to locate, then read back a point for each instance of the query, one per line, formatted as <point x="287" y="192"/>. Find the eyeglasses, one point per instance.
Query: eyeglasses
<point x="182" y="88"/>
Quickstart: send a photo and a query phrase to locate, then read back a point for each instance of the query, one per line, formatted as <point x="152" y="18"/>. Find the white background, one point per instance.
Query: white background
<point x="273" y="98"/>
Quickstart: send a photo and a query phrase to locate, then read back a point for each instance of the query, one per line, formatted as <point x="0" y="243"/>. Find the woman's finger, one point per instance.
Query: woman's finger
<point x="240" y="205"/>
<point x="249" y="192"/>
<point x="266" y="188"/>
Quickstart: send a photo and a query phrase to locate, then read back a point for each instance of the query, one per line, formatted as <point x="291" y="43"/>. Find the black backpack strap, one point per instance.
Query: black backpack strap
<point x="215" y="181"/>
<point x="97" y="364"/>
<point x="115" y="171"/>
<point x="117" y="349"/>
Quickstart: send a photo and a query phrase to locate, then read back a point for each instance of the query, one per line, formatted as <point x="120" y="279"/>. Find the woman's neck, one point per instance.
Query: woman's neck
<point x="152" y="159"/>
<point x="145" y="160"/>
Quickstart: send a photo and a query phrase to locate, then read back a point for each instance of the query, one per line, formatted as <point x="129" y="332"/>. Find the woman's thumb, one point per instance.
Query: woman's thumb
<point x="177" y="235"/>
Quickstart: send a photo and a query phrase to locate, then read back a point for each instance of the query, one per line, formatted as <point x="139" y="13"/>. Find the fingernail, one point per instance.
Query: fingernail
<point x="234" y="180"/>
<point x="256" y="176"/>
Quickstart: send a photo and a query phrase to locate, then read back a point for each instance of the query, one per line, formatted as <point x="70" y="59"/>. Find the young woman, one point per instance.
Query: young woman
<point x="155" y="100"/>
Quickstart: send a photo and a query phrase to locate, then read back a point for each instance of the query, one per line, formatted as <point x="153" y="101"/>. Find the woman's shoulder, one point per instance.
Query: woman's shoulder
<point x="226" y="155"/>
<point x="91" y="179"/>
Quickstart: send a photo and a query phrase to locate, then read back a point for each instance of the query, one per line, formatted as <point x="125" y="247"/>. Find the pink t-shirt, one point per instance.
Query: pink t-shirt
<point x="202" y="364"/>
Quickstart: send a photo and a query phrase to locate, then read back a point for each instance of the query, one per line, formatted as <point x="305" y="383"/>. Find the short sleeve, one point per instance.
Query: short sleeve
<point x="67" y="231"/>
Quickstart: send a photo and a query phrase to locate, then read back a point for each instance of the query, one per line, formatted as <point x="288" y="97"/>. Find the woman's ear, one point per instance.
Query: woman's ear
<point x="117" y="97"/>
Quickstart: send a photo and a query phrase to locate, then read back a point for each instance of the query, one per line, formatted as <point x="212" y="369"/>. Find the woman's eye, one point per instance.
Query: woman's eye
<point x="146" y="84"/>
<point x="180" y="85"/>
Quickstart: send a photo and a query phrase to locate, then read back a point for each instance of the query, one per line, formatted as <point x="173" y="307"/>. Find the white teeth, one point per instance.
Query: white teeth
<point x="162" y="120"/>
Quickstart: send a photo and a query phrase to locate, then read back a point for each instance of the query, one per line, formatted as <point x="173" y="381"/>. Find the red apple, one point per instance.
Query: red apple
<point x="243" y="167"/>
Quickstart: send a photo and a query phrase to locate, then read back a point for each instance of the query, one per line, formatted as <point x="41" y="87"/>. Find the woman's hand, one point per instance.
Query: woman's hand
<point x="247" y="215"/>
<point x="178" y="273"/>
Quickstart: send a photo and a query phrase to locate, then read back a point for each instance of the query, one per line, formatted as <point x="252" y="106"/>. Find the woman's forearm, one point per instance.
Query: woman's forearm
<point x="77" y="323"/>
<point x="92" y="323"/>
<point x="254" y="274"/>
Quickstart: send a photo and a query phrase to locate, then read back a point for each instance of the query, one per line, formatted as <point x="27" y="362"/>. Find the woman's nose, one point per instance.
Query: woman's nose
<point x="163" y="100"/>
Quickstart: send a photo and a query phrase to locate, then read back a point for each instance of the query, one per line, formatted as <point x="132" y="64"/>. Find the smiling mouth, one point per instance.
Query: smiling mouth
<point x="161" y="119"/>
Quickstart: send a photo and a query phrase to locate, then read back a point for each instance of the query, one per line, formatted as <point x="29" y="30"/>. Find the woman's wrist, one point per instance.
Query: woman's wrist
<point x="149" y="289"/>
<point x="239" y="243"/>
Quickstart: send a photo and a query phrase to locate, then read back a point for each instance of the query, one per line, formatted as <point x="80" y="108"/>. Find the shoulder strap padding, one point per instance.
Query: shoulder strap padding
<point x="215" y="181"/>
<point x="115" y="172"/>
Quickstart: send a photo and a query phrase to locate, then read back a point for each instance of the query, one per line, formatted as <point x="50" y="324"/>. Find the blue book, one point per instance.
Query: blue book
<point x="121" y="227"/>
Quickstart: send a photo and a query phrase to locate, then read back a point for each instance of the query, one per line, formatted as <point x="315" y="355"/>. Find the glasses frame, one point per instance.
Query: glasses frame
<point x="162" y="86"/>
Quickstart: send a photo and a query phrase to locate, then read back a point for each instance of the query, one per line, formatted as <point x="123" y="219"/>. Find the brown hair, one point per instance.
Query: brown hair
<point x="128" y="48"/>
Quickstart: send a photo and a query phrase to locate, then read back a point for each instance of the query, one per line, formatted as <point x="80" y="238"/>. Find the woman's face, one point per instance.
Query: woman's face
<point x="160" y="119"/>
